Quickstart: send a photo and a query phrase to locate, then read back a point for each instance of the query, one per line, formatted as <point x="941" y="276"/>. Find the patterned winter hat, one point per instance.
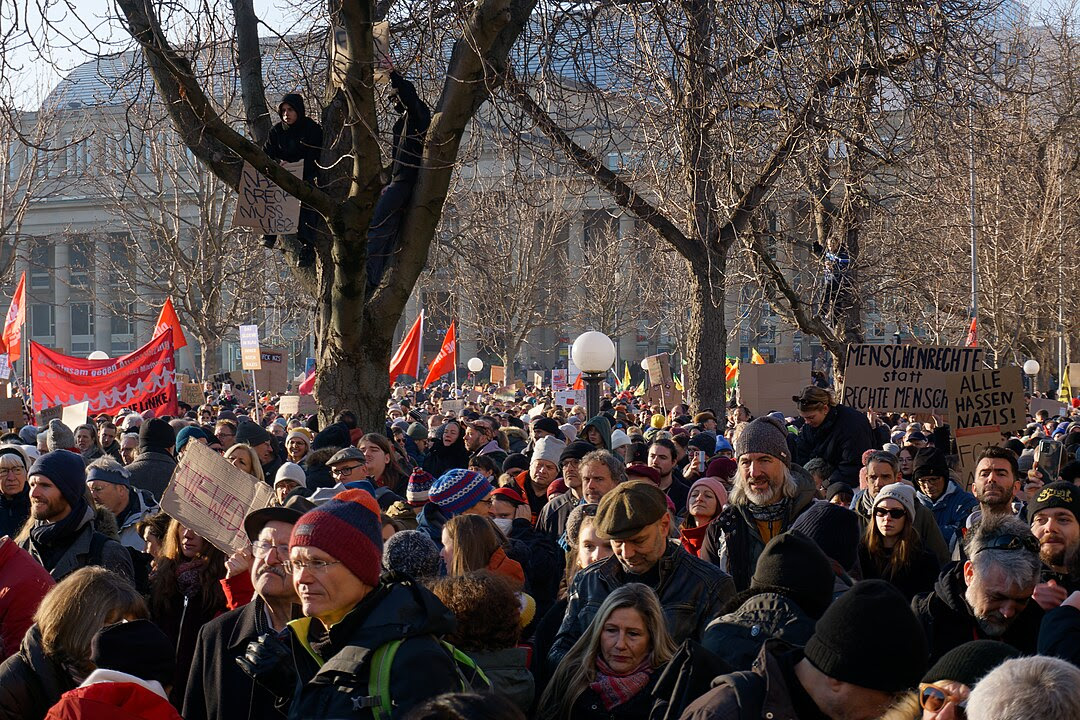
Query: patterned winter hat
<point x="458" y="490"/>
<point x="349" y="528"/>
<point x="420" y="483"/>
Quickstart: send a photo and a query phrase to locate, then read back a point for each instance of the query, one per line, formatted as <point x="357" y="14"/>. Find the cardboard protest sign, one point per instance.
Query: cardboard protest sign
<point x="903" y="378"/>
<point x="12" y="409"/>
<point x="538" y="379"/>
<point x="987" y="398"/>
<point x="452" y="407"/>
<point x="211" y="497"/>
<point x="472" y="396"/>
<point x="265" y="207"/>
<point x="558" y="379"/>
<point x="764" y="388"/>
<point x="74" y="415"/>
<point x="50" y="413"/>
<point x="970" y="443"/>
<point x="659" y="369"/>
<point x="570" y="398"/>
<point x="498" y="374"/>
<point x="1051" y="406"/>
<point x="192" y="394"/>
<point x="297" y="404"/>
<point x="273" y="372"/>
<point x="506" y="392"/>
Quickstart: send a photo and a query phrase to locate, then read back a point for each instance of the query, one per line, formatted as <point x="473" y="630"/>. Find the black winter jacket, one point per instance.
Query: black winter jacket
<point x="840" y="440"/>
<point x="948" y="622"/>
<point x="13" y="511"/>
<point x="334" y="687"/>
<point x="217" y="689"/>
<point x="302" y="140"/>
<point x="31" y="682"/>
<point x="151" y="470"/>
<point x="737" y="637"/>
<point x="691" y="593"/>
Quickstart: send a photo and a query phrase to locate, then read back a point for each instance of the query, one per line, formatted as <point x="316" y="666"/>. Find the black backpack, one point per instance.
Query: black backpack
<point x="687" y="676"/>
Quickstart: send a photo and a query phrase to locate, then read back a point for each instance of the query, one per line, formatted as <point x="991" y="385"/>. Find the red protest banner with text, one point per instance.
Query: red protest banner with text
<point x="141" y="380"/>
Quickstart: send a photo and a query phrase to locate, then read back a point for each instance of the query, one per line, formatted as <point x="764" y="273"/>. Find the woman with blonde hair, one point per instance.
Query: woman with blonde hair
<point x="243" y="457"/>
<point x="473" y="542"/>
<point x="610" y="670"/>
<point x="185" y="594"/>
<point x="55" y="653"/>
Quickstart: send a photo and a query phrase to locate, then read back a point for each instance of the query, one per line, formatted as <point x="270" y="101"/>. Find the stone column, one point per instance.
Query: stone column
<point x="62" y="296"/>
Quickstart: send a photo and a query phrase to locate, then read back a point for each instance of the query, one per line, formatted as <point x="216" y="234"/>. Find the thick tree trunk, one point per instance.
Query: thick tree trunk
<point x="707" y="338"/>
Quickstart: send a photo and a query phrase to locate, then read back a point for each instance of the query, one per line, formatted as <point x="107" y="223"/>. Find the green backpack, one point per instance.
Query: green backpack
<point x="469" y="675"/>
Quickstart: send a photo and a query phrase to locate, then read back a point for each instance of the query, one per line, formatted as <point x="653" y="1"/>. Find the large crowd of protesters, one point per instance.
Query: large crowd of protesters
<point x="512" y="558"/>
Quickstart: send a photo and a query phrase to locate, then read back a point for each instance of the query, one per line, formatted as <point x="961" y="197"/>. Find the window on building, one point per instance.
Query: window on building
<point x="41" y="264"/>
<point x="42" y="320"/>
<point x="123" y="323"/>
<point x="80" y="260"/>
<point x="82" y="319"/>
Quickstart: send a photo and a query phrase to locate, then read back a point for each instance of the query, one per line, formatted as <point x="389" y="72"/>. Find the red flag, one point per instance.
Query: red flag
<point x="406" y="360"/>
<point x="579" y="384"/>
<point x="308" y="386"/>
<point x="444" y="362"/>
<point x="16" y="316"/>
<point x="973" y="337"/>
<point x="167" y="319"/>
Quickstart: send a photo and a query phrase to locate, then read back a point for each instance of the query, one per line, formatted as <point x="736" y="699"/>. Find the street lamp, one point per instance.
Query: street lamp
<point x="475" y="365"/>
<point x="1031" y="369"/>
<point x="593" y="352"/>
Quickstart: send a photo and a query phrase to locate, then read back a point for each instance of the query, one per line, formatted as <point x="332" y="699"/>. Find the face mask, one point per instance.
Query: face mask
<point x="503" y="524"/>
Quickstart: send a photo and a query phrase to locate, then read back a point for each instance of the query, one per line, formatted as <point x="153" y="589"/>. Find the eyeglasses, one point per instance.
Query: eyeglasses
<point x="934" y="698"/>
<point x="343" y="471"/>
<point x="10" y="471"/>
<point x="261" y="549"/>
<point x="317" y="567"/>
<point x="894" y="513"/>
<point x="1011" y="542"/>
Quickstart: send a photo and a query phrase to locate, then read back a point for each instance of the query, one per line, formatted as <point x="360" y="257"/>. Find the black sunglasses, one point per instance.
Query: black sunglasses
<point x="1011" y="542"/>
<point x="894" y="513"/>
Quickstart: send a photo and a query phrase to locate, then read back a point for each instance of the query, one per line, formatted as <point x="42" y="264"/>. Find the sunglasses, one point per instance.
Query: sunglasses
<point x="1012" y="542"/>
<point x="933" y="698"/>
<point x="894" y="513"/>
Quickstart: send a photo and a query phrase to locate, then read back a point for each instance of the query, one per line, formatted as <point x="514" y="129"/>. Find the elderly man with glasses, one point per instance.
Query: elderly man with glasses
<point x="989" y="595"/>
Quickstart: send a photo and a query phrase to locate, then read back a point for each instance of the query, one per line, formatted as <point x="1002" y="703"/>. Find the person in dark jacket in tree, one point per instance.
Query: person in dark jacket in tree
<point x="768" y="495"/>
<point x="835" y="433"/>
<point x="350" y="614"/>
<point x="297" y="138"/>
<point x="55" y="653"/>
<point x="410" y="130"/>
<point x="791" y="588"/>
<point x="988" y="596"/>
<point x="634" y="516"/>
<point x="63" y="537"/>
<point x="217" y="689"/>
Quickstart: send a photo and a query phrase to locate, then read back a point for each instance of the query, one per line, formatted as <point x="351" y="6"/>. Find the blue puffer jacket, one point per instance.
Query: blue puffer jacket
<point x="951" y="509"/>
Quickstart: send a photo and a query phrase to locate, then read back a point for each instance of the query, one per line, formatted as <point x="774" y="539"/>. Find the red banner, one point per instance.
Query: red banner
<point x="141" y="380"/>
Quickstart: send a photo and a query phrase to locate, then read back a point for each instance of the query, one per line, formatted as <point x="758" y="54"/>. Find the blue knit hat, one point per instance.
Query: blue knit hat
<point x="187" y="433"/>
<point x="458" y="490"/>
<point x="66" y="470"/>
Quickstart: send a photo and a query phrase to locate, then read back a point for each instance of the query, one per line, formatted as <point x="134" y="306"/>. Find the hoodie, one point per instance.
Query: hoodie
<point x="603" y="426"/>
<point x="302" y="140"/>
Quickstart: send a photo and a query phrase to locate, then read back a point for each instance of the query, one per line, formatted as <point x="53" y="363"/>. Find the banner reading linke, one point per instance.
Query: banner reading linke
<point x="141" y="380"/>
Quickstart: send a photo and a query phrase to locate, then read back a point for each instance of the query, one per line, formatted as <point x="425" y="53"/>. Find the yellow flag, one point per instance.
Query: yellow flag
<point x="626" y="376"/>
<point x="755" y="357"/>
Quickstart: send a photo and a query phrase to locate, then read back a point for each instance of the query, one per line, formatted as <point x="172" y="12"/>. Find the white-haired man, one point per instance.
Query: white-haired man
<point x="766" y="499"/>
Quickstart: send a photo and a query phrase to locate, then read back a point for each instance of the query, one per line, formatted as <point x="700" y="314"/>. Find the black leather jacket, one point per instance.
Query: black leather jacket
<point x="691" y="593"/>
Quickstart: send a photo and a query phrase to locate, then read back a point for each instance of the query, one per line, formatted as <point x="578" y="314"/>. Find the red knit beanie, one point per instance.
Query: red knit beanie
<point x="348" y="527"/>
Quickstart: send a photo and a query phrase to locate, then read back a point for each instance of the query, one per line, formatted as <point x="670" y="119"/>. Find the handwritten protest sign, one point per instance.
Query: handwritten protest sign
<point x="987" y="398"/>
<point x="498" y="374"/>
<point x="452" y="407"/>
<point x="659" y="369"/>
<point x="273" y="372"/>
<point x="295" y="404"/>
<point x="570" y="398"/>
<point x="250" y="356"/>
<point x="970" y="443"/>
<point x="538" y="379"/>
<point x="75" y="415"/>
<point x="558" y="379"/>
<point x="211" y="497"/>
<point x="265" y="207"/>
<point x="903" y="378"/>
<point x="1053" y="407"/>
<point x="50" y="413"/>
<point x="192" y="394"/>
<point x="764" y="388"/>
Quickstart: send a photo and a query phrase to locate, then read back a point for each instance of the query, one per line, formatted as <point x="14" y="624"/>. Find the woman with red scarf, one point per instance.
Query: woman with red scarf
<point x="610" y="672"/>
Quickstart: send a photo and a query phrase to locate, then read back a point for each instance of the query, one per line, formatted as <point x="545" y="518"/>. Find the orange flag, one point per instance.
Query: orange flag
<point x="973" y="334"/>
<point x="579" y="384"/>
<point x="16" y="316"/>
<point x="167" y="320"/>
<point x="406" y="360"/>
<point x="445" y="360"/>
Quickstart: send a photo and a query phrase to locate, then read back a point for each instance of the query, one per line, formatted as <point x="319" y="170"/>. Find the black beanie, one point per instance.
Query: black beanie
<point x="251" y="433"/>
<point x="137" y="648"/>
<point x="576" y="450"/>
<point x="515" y="461"/>
<point x="930" y="462"/>
<point x="156" y="434"/>
<point x="971" y="662"/>
<point x="835" y="529"/>
<point x="845" y="644"/>
<point x="335" y="435"/>
<point x="795" y="564"/>
<point x="1056" y="495"/>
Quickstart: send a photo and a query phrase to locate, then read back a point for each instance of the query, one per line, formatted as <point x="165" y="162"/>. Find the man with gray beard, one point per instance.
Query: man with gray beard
<point x="217" y="688"/>
<point x="767" y="497"/>
<point x="989" y="595"/>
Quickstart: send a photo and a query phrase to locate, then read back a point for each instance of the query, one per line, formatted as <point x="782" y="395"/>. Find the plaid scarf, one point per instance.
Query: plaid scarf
<point x="615" y="689"/>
